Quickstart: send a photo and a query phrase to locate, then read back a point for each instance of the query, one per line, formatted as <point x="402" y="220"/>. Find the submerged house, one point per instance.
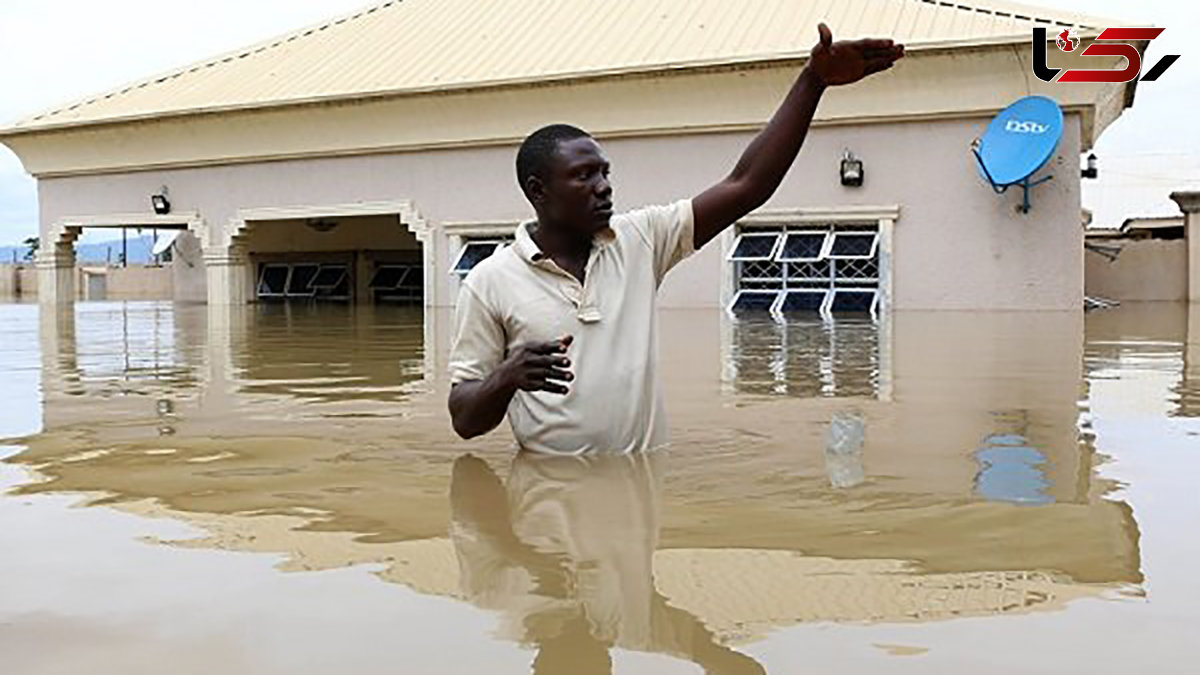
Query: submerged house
<point x="370" y="158"/>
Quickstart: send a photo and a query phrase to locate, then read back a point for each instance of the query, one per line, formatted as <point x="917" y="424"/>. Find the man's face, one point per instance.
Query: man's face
<point x="576" y="193"/>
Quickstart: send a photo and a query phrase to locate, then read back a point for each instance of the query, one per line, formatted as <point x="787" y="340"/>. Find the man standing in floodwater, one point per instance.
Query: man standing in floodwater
<point x="559" y="329"/>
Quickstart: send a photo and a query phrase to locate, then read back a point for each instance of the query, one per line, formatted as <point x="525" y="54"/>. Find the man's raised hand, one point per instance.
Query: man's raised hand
<point x="848" y="61"/>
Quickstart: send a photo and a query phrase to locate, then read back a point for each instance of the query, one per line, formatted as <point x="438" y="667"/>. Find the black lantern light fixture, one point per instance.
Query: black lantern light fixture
<point x="162" y="205"/>
<point x="321" y="224"/>
<point x="1091" y="171"/>
<point x="852" y="170"/>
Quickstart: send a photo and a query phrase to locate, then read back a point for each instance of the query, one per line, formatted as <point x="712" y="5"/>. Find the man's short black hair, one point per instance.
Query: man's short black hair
<point x="540" y="146"/>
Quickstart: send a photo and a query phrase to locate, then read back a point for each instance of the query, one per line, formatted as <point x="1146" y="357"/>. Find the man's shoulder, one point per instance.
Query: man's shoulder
<point x="645" y="218"/>
<point x="494" y="272"/>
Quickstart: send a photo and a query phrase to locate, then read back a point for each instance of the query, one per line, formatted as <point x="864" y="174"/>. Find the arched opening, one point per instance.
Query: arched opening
<point x="353" y="259"/>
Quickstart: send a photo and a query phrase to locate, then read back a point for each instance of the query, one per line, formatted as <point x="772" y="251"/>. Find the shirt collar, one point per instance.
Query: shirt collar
<point x="529" y="251"/>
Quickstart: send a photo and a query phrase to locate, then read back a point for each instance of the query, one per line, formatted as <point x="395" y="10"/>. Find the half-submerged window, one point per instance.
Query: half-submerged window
<point x="331" y="281"/>
<point x="303" y="280"/>
<point x="397" y="282"/>
<point x="475" y="251"/>
<point x="273" y="281"/>
<point x="807" y="269"/>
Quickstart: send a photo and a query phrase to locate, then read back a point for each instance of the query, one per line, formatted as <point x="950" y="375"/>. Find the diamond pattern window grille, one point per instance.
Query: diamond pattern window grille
<point x="826" y="270"/>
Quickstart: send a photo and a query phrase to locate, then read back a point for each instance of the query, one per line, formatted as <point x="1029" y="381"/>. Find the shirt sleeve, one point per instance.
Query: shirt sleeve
<point x="670" y="231"/>
<point x="478" y="345"/>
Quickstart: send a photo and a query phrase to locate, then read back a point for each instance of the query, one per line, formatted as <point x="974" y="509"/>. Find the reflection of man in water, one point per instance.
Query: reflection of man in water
<point x="565" y="553"/>
<point x="558" y="330"/>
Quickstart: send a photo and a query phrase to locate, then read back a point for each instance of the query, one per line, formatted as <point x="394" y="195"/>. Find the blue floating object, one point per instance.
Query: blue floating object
<point x="1019" y="142"/>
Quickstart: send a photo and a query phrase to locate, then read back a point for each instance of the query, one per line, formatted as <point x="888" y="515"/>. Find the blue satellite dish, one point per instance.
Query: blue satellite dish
<point x="1019" y="142"/>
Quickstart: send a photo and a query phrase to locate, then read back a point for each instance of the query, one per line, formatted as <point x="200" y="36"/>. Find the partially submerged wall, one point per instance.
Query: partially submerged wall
<point x="1144" y="270"/>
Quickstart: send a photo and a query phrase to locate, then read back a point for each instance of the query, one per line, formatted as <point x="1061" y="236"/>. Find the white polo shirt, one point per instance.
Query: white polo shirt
<point x="519" y="295"/>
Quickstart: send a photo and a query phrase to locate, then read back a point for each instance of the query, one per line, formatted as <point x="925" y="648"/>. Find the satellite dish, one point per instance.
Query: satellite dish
<point x="1018" y="143"/>
<point x="164" y="242"/>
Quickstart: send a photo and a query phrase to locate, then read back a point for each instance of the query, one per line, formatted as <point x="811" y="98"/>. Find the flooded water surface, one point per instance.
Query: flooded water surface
<point x="276" y="489"/>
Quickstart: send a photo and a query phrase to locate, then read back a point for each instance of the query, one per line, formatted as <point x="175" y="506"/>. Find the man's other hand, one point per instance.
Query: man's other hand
<point x="848" y="61"/>
<point x="539" y="366"/>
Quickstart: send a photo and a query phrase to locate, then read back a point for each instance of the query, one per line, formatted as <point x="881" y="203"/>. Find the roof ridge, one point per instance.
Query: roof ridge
<point x="1022" y="12"/>
<point x="232" y="55"/>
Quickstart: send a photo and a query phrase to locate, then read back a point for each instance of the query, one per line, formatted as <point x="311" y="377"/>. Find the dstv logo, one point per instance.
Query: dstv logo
<point x="1019" y="127"/>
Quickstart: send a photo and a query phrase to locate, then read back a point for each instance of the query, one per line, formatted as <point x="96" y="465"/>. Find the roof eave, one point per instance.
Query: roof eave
<point x="25" y="127"/>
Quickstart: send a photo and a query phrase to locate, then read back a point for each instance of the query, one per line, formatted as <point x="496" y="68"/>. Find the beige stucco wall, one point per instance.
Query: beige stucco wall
<point x="957" y="245"/>
<point x="136" y="282"/>
<point x="1148" y="269"/>
<point x="358" y="233"/>
<point x="18" y="282"/>
<point x="187" y="269"/>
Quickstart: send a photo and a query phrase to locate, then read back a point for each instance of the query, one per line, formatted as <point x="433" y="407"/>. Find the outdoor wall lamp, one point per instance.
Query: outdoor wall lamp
<point x="852" y="170"/>
<point x="162" y="205"/>
<point x="321" y="224"/>
<point x="1091" y="171"/>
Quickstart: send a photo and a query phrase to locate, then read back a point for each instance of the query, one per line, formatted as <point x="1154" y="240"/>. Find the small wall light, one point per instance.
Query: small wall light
<point x="852" y="170"/>
<point x="321" y="224"/>
<point x="1091" y="171"/>
<point x="162" y="205"/>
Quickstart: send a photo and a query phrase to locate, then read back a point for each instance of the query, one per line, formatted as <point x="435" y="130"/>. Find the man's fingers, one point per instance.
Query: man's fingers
<point x="546" y="347"/>
<point x="547" y="385"/>
<point x="549" y="361"/>
<point x="867" y="44"/>
<point x="826" y="35"/>
<point x="877" y="65"/>
<point x="556" y="374"/>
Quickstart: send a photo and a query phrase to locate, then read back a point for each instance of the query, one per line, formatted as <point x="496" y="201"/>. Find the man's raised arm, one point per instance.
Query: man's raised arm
<point x="769" y="156"/>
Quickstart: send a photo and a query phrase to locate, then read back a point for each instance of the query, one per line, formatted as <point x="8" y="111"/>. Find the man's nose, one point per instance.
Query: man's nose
<point x="603" y="187"/>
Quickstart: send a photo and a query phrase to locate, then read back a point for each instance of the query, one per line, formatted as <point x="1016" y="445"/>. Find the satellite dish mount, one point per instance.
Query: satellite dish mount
<point x="1017" y="144"/>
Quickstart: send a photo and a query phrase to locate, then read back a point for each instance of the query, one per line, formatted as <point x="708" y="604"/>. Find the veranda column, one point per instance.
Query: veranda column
<point x="1189" y="203"/>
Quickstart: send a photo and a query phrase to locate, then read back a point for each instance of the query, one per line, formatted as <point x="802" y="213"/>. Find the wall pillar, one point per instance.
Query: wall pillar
<point x="1189" y="203"/>
<point x="229" y="276"/>
<point x="1189" y="387"/>
<point x="56" y="274"/>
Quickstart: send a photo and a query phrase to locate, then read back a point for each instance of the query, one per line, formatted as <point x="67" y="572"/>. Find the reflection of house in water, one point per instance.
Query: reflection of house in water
<point x="804" y="358"/>
<point x="1168" y="346"/>
<point x="333" y="446"/>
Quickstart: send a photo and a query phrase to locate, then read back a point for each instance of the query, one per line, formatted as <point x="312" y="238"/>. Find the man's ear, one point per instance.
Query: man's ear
<point x="535" y="190"/>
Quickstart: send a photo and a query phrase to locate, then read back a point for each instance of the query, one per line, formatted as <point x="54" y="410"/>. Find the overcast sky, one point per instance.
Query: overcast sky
<point x="54" y="52"/>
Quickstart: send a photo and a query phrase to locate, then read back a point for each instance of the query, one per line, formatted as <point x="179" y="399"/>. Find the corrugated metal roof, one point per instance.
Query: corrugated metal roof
<point x="409" y="46"/>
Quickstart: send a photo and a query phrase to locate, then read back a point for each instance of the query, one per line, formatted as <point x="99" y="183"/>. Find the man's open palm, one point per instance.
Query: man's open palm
<point x="848" y="61"/>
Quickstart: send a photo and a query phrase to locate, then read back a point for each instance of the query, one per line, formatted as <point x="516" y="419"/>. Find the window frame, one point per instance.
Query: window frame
<point x="287" y="292"/>
<point x="874" y="311"/>
<point x="827" y="237"/>
<point x="467" y="243"/>
<point x="262" y="273"/>
<point x="753" y="291"/>
<point x="330" y="287"/>
<point x="835" y="233"/>
<point x="777" y="310"/>
<point x="407" y="270"/>
<point x="732" y="257"/>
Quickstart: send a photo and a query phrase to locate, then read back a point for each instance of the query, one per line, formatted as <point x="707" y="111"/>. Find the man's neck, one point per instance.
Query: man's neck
<point x="566" y="248"/>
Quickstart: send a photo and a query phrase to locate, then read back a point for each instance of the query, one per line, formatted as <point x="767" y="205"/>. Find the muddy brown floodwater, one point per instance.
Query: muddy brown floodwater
<point x="276" y="489"/>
